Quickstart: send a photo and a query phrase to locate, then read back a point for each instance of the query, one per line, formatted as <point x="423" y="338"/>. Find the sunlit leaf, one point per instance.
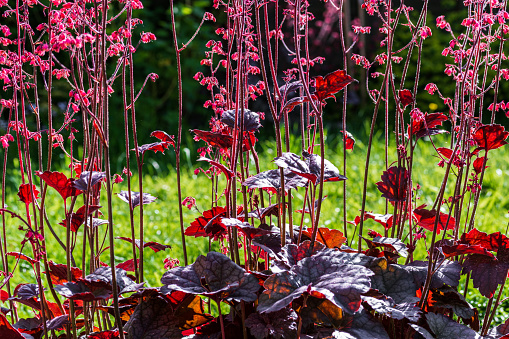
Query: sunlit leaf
<point x="330" y="238"/>
<point x="405" y="97"/>
<point x="93" y="177"/>
<point x="60" y="183"/>
<point x="392" y="243"/>
<point x="227" y="172"/>
<point x="78" y="218"/>
<point x="163" y="136"/>
<point x="208" y="224"/>
<point x="213" y="139"/>
<point x="427" y="125"/>
<point x="488" y="137"/>
<point x="272" y="180"/>
<point x="426" y="219"/>
<point x="135" y="198"/>
<point x="155" y="246"/>
<point x="25" y="193"/>
<point x="310" y="168"/>
<point x="214" y="275"/>
<point x="342" y="284"/>
<point x="331" y="84"/>
<point x="58" y="273"/>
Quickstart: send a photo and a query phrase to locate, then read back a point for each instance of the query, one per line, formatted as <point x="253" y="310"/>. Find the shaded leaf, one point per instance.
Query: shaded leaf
<point x="445" y="328"/>
<point x="331" y="84"/>
<point x="291" y="254"/>
<point x="364" y="325"/>
<point x="214" y="275"/>
<point x="262" y="212"/>
<point x="487" y="272"/>
<point x="60" y="183"/>
<point x="448" y="273"/>
<point x="393" y="281"/>
<point x="166" y="317"/>
<point x="448" y="297"/>
<point x="394" y="184"/>
<point x="294" y="102"/>
<point x="251" y="119"/>
<point x="386" y="306"/>
<point x="93" y="177"/>
<point x="499" y="331"/>
<point x="342" y="284"/>
<point x="135" y="198"/>
<point x="227" y="172"/>
<point x="289" y="88"/>
<point x="58" y="323"/>
<point x="280" y="324"/>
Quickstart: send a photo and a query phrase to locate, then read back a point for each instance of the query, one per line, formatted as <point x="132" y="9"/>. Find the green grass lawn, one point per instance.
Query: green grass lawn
<point x="162" y="222"/>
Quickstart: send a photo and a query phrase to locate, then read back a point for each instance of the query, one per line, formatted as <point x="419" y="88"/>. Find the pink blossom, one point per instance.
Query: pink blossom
<point x="147" y="37"/>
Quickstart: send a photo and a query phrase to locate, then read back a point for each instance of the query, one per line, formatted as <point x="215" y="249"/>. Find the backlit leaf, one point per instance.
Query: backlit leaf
<point x="350" y="140"/>
<point x="291" y="254"/>
<point x="245" y="228"/>
<point x="6" y="329"/>
<point x="160" y="146"/>
<point x="330" y="238"/>
<point x="342" y="284"/>
<point x="331" y="84"/>
<point x="213" y="139"/>
<point x="60" y="183"/>
<point x="426" y="126"/>
<point x="163" y="136"/>
<point x="154" y="246"/>
<point x="394" y="184"/>
<point x="25" y="193"/>
<point x="227" y="172"/>
<point x="491" y="242"/>
<point x="490" y="137"/>
<point x="405" y="97"/>
<point x="426" y="219"/>
<point x="77" y="219"/>
<point x="214" y="275"/>
<point x="58" y="273"/>
<point x="208" y="224"/>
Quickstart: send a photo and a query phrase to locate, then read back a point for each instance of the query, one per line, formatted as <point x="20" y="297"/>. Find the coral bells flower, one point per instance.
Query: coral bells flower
<point x="147" y="37"/>
<point x="189" y="202"/>
<point x="170" y="263"/>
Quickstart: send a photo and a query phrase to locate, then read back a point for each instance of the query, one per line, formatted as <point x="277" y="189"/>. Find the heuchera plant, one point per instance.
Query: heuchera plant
<point x="278" y="275"/>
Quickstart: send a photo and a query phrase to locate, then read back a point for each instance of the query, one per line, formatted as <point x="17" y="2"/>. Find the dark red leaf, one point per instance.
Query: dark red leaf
<point x="244" y="227"/>
<point x="486" y="272"/>
<point x="58" y="273"/>
<point x="394" y="184"/>
<point x="294" y="102"/>
<point x="111" y="334"/>
<point x="58" y="323"/>
<point x="291" y="254"/>
<point x="6" y="329"/>
<point x="330" y="238"/>
<point x="331" y="84"/>
<point x="128" y="265"/>
<point x="385" y="220"/>
<point x="281" y="324"/>
<point x="478" y="163"/>
<point x="208" y="225"/>
<point x="426" y="126"/>
<point x="155" y="147"/>
<point x="491" y="242"/>
<point x="227" y="172"/>
<point x="213" y="139"/>
<point x="22" y="257"/>
<point x="405" y="97"/>
<point x="135" y="198"/>
<point x="155" y="246"/>
<point x="77" y="219"/>
<point x="426" y="219"/>
<point x="452" y="250"/>
<point x="4" y="295"/>
<point x="59" y="182"/>
<point x="25" y="193"/>
<point x="489" y="137"/>
<point x="163" y="136"/>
